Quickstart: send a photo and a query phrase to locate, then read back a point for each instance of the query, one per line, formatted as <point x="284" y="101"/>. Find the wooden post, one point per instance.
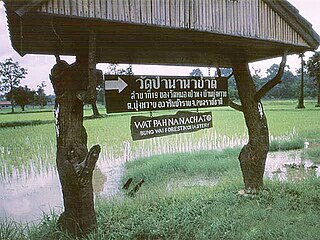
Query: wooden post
<point x="74" y="162"/>
<point x="253" y="155"/>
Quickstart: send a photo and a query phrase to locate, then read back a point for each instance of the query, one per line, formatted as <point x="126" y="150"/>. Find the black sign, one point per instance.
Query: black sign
<point x="182" y="122"/>
<point x="146" y="93"/>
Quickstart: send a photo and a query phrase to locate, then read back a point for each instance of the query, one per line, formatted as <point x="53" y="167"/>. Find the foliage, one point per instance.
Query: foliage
<point x="10" y="76"/>
<point x="40" y="98"/>
<point x="21" y="96"/>
<point x="196" y="72"/>
<point x="313" y="66"/>
<point x="313" y="153"/>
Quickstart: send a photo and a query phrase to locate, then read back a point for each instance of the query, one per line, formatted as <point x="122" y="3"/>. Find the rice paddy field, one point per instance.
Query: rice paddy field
<point x="191" y="180"/>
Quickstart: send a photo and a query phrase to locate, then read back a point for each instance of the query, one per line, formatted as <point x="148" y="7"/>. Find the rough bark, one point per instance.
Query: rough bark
<point x="318" y="104"/>
<point x="253" y="155"/>
<point x="74" y="162"/>
<point x="95" y="110"/>
<point x="301" y="97"/>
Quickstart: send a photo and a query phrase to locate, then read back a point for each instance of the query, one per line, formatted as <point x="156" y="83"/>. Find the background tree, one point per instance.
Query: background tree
<point x="21" y="96"/>
<point x="40" y="98"/>
<point x="10" y="76"/>
<point x="301" y="97"/>
<point x="196" y="72"/>
<point x="313" y="66"/>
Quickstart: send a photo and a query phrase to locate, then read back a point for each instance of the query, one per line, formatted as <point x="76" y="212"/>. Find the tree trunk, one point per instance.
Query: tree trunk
<point x="301" y="98"/>
<point x="12" y="107"/>
<point x="253" y="155"/>
<point x="75" y="164"/>
<point x="318" y="104"/>
<point x="95" y="110"/>
<point x="22" y="107"/>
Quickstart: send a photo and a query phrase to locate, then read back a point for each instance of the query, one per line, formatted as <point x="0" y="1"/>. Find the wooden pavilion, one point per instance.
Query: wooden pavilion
<point x="179" y="32"/>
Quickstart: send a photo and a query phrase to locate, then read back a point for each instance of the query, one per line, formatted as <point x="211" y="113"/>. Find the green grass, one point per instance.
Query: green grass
<point x="313" y="154"/>
<point x="288" y="210"/>
<point x="23" y="144"/>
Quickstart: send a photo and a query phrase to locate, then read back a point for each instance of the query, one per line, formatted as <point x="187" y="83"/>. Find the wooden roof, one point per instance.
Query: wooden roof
<point x="179" y="32"/>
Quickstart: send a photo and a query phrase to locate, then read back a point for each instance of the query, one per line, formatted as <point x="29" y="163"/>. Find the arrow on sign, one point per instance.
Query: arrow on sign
<point x="116" y="85"/>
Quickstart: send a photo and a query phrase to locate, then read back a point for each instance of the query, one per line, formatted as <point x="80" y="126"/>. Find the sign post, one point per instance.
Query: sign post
<point x="126" y="93"/>
<point x="181" y="122"/>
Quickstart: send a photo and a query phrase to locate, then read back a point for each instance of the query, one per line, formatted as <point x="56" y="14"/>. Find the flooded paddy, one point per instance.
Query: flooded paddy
<point x="25" y="197"/>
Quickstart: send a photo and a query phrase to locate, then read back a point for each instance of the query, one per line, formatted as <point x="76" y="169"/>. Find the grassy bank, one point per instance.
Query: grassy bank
<point x="167" y="207"/>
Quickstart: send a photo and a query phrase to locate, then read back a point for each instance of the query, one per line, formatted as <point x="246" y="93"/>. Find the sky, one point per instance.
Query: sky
<point x="39" y="66"/>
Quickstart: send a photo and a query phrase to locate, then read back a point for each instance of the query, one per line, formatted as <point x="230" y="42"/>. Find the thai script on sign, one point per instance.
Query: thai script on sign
<point x="149" y="83"/>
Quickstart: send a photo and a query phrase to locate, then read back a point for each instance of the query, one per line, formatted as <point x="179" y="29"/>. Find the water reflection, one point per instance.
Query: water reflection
<point x="25" y="197"/>
<point x="289" y="165"/>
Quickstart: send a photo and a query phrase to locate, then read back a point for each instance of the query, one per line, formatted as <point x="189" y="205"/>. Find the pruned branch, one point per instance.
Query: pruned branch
<point x="234" y="105"/>
<point x="273" y="82"/>
<point x="85" y="168"/>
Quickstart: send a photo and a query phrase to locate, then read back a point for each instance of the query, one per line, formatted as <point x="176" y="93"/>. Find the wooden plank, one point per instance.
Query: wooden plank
<point x="143" y="12"/>
<point x="50" y="6"/>
<point x="91" y="10"/>
<point x="115" y="10"/>
<point x="109" y="9"/>
<point x="163" y="12"/>
<point x="61" y="7"/>
<point x="192" y="14"/>
<point x="177" y="13"/>
<point x="241" y="18"/>
<point x="149" y="11"/>
<point x="154" y="11"/>
<point x="215" y="25"/>
<point x="186" y="13"/>
<point x="67" y="7"/>
<point x="167" y="7"/>
<point x="228" y="17"/>
<point x="210" y="24"/>
<point x="132" y="10"/>
<point x="204" y="15"/>
<point x="224" y="19"/>
<point x="257" y="18"/>
<point x="74" y="10"/>
<point x="238" y="13"/>
<point x="138" y="11"/>
<point x="85" y="8"/>
<point x="55" y="7"/>
<point x="121" y="10"/>
<point x="181" y="13"/>
<point x="198" y="14"/>
<point x="97" y="8"/>
<point x="80" y="8"/>
<point x="44" y="7"/>
<point x="103" y="9"/>
<point x="172" y="12"/>
<point x="126" y="10"/>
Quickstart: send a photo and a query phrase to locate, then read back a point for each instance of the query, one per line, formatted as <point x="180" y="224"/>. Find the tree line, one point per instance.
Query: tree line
<point x="11" y="74"/>
<point x="291" y="81"/>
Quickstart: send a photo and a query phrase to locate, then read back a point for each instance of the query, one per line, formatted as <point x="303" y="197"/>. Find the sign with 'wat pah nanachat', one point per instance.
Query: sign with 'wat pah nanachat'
<point x="182" y="122"/>
<point x="125" y="93"/>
